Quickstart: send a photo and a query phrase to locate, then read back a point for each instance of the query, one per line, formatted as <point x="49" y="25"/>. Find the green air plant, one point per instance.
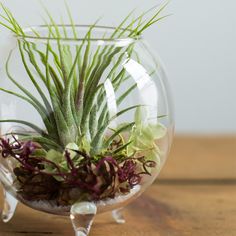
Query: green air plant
<point x="77" y="150"/>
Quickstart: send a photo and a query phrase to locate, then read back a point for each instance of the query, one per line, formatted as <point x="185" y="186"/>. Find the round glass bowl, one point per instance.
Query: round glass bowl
<point x="86" y="120"/>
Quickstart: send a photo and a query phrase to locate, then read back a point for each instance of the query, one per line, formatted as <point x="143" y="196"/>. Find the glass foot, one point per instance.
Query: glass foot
<point x="118" y="216"/>
<point x="82" y="215"/>
<point x="9" y="207"/>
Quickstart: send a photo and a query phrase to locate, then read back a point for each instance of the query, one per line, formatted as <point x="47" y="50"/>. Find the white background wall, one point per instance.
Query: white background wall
<point x="197" y="44"/>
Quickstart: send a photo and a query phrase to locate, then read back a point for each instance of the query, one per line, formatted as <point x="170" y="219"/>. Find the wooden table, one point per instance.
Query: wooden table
<point x="195" y="195"/>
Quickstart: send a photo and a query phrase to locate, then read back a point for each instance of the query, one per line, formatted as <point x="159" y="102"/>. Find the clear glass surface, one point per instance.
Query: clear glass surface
<point x="148" y="107"/>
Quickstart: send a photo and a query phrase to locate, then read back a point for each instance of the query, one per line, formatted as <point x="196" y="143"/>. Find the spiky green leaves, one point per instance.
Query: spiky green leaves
<point x="69" y="81"/>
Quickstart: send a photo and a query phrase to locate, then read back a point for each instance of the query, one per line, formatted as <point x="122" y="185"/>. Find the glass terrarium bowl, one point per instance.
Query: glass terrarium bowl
<point x="86" y="121"/>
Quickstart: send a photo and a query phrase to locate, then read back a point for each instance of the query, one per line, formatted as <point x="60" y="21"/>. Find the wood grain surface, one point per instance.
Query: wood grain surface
<point x="201" y="158"/>
<point x="195" y="195"/>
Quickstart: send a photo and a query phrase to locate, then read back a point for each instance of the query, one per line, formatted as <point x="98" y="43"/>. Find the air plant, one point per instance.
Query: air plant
<point x="74" y="150"/>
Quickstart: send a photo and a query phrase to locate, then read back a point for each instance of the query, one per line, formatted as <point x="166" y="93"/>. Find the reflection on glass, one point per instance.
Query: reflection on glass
<point x="111" y="100"/>
<point x="145" y="84"/>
